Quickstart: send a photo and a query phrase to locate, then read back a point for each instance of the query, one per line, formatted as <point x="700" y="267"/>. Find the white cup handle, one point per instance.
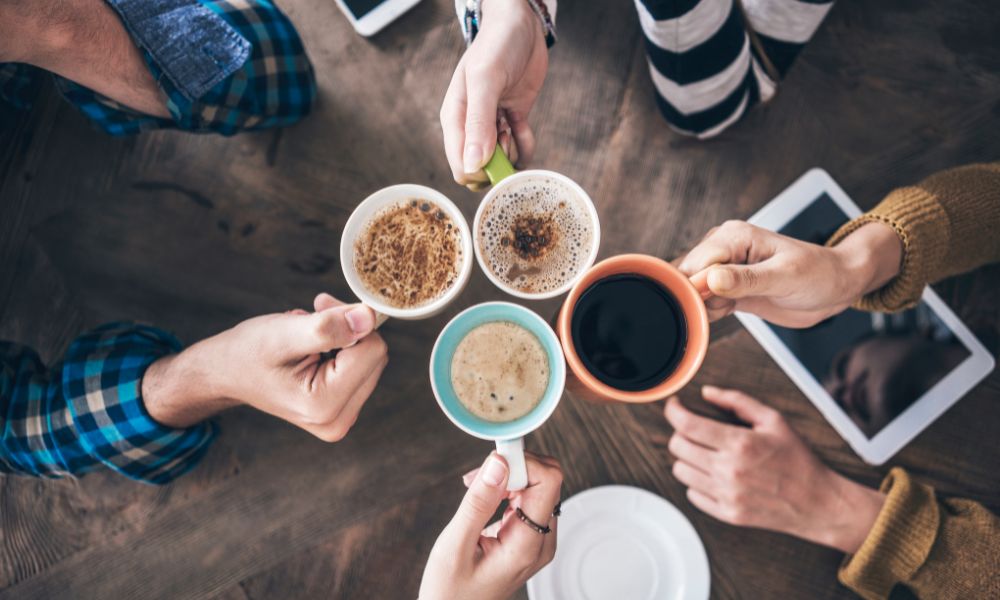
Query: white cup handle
<point x="513" y="453"/>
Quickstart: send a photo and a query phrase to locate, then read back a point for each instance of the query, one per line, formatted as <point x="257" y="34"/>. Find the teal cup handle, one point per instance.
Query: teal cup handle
<point x="508" y="435"/>
<point x="499" y="167"/>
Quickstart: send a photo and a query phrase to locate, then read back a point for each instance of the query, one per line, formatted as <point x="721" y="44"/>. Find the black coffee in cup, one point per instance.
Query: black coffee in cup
<point x="629" y="332"/>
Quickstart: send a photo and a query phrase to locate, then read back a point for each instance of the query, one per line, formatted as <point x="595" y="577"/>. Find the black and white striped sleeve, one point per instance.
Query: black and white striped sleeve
<point x="705" y="69"/>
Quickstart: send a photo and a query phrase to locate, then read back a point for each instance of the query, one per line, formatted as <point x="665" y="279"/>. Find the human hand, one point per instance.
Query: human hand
<point x="471" y="560"/>
<point x="276" y="364"/>
<point x="501" y="73"/>
<point x="765" y="476"/>
<point x="787" y="281"/>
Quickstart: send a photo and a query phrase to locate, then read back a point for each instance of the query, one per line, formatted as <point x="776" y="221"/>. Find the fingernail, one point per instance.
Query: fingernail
<point x="494" y="471"/>
<point x="709" y="390"/>
<point x="360" y="319"/>
<point x="472" y="159"/>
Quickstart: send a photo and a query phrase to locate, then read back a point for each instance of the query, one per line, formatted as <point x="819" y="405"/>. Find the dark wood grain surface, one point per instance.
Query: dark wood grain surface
<point x="195" y="233"/>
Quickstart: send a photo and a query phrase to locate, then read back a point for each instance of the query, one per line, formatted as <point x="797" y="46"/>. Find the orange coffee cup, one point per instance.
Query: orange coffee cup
<point x="583" y="383"/>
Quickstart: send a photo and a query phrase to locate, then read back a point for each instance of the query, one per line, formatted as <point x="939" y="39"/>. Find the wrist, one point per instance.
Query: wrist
<point x="870" y="257"/>
<point x="179" y="391"/>
<point x="852" y="513"/>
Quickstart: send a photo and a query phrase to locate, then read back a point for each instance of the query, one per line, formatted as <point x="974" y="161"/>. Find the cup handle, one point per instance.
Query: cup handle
<point x="513" y="453"/>
<point x="499" y="167"/>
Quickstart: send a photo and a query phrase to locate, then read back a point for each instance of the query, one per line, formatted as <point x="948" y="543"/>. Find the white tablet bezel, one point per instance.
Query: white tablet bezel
<point x="775" y="215"/>
<point x="377" y="18"/>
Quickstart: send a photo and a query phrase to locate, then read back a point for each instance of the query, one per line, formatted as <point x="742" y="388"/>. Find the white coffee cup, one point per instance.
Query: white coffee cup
<point x="358" y="223"/>
<point x="506" y="180"/>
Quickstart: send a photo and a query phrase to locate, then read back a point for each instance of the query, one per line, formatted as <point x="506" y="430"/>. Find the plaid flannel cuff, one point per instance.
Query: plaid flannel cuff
<point x="275" y="86"/>
<point x="102" y="379"/>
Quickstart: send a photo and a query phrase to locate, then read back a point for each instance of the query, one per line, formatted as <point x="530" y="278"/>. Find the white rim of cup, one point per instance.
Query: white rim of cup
<point x="591" y="212"/>
<point x="355" y="226"/>
<point x="519" y="433"/>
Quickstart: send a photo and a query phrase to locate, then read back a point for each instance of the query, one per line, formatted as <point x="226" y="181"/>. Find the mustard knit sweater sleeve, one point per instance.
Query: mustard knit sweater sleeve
<point x="939" y="549"/>
<point x="949" y="223"/>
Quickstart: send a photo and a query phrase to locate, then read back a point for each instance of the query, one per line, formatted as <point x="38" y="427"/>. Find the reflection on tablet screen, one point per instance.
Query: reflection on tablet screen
<point x="874" y="365"/>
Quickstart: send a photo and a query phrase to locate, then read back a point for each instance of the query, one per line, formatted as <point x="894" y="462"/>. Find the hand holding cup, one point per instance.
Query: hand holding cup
<point x="472" y="559"/>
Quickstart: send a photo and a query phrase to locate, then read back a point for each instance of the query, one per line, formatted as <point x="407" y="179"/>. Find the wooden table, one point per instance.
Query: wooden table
<point x="195" y="233"/>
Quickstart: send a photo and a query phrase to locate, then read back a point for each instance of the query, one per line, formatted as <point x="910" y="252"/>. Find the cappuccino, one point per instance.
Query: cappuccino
<point x="500" y="371"/>
<point x="535" y="236"/>
<point x="409" y="254"/>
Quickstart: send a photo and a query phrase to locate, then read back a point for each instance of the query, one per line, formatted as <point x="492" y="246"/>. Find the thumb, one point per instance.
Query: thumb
<point x="480" y="122"/>
<point x="481" y="501"/>
<point x="328" y="329"/>
<point x="741" y="281"/>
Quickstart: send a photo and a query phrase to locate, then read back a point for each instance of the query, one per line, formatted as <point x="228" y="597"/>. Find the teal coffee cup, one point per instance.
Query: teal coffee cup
<point x="509" y="435"/>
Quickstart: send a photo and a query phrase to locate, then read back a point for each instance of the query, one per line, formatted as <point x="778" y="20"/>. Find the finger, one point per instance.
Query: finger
<point x="694" y="478"/>
<point x="494" y="528"/>
<point x="548" y="460"/>
<point x="549" y="543"/>
<point x="537" y="501"/>
<point x="731" y="242"/>
<point x="745" y="407"/>
<point x="741" y="281"/>
<point x="705" y="503"/>
<point x="324" y="301"/>
<point x="523" y="135"/>
<point x="483" y="97"/>
<point x="453" y="122"/>
<point x="766" y="309"/>
<point x="298" y="335"/>
<point x="714" y="249"/>
<point x="345" y="419"/>
<point x="705" y="431"/>
<point x="353" y="366"/>
<point x="479" y="503"/>
<point x="469" y="477"/>
<point x="700" y="282"/>
<point x="691" y="453"/>
<point x="719" y="307"/>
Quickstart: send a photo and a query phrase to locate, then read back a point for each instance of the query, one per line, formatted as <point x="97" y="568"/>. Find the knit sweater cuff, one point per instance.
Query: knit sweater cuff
<point x="899" y="542"/>
<point x="923" y="227"/>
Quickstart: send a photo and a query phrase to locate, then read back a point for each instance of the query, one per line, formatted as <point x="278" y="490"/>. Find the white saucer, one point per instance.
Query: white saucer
<point x="618" y="542"/>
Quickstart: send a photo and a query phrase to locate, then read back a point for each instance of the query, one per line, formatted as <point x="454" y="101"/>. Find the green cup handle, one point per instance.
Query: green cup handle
<point x="499" y="167"/>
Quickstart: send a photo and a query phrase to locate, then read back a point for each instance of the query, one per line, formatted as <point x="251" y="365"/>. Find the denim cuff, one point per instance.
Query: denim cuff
<point x="193" y="46"/>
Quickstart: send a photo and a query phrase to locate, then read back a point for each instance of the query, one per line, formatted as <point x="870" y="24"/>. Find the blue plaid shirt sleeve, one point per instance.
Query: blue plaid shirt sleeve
<point x="272" y="86"/>
<point x="88" y="411"/>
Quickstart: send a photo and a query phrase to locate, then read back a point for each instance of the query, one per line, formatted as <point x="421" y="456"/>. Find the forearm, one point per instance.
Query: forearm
<point x="178" y="390"/>
<point x="871" y="256"/>
<point x="853" y="509"/>
<point x="936" y="548"/>
<point x="85" y="42"/>
<point x="947" y="225"/>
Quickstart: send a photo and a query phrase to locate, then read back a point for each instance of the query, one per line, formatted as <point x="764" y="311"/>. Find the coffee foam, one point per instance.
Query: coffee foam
<point x="500" y="371"/>
<point x="536" y="236"/>
<point x="409" y="253"/>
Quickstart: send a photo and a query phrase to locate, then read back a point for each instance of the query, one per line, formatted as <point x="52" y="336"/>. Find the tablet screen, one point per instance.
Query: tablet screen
<point x="874" y="365"/>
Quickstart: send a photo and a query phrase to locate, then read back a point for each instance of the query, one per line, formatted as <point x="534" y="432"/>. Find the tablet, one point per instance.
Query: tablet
<point x="878" y="378"/>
